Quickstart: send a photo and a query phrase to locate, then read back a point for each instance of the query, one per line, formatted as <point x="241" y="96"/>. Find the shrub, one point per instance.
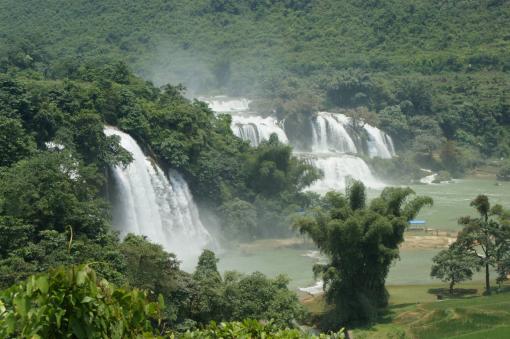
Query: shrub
<point x="251" y="329"/>
<point x="504" y="173"/>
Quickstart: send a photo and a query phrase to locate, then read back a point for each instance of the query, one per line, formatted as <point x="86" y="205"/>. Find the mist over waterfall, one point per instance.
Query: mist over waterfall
<point x="335" y="146"/>
<point x="147" y="202"/>
<point x="224" y="104"/>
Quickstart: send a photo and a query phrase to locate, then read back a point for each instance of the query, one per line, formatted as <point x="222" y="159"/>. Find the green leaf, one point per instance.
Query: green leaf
<point x="77" y="328"/>
<point x="81" y="277"/>
<point x="42" y="284"/>
<point x="161" y="302"/>
<point x="21" y="305"/>
<point x="11" y="324"/>
<point x="87" y="299"/>
<point x="58" y="317"/>
<point x="2" y="307"/>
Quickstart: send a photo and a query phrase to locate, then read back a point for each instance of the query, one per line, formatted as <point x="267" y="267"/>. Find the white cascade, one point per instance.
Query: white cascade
<point x="330" y="134"/>
<point x="148" y="203"/>
<point x="429" y="179"/>
<point x="379" y="143"/>
<point x="224" y="104"/>
<point x="256" y="129"/>
<point x="338" y="170"/>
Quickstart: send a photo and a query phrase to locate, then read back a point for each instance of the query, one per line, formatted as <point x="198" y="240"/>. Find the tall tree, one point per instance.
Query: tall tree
<point x="485" y="236"/>
<point x="453" y="266"/>
<point x="361" y="243"/>
<point x="208" y="303"/>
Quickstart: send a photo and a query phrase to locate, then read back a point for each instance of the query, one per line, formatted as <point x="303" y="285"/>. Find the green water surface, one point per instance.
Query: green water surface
<point x="450" y="202"/>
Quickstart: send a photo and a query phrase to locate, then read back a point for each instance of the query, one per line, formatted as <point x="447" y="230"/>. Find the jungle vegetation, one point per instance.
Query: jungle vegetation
<point x="434" y="72"/>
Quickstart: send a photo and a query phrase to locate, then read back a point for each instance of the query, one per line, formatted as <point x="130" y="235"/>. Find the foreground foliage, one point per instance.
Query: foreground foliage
<point x="236" y="296"/>
<point x="252" y="329"/>
<point x="74" y="302"/>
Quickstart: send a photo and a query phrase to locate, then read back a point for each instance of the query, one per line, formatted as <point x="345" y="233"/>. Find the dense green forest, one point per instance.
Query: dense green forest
<point x="434" y="71"/>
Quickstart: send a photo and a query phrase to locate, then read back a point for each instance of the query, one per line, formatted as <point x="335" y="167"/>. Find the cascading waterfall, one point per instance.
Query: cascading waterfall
<point x="330" y="135"/>
<point x="334" y="143"/>
<point x="246" y="125"/>
<point x="257" y="129"/>
<point x="148" y="203"/>
<point x="379" y="143"/>
<point x="338" y="169"/>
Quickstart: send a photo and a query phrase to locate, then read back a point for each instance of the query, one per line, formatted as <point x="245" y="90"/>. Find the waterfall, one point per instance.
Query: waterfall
<point x="245" y="124"/>
<point x="224" y="104"/>
<point x="379" y="143"/>
<point x="256" y="129"/>
<point x="148" y="203"/>
<point x="334" y="143"/>
<point x="338" y="169"/>
<point x="429" y="179"/>
<point x="330" y="134"/>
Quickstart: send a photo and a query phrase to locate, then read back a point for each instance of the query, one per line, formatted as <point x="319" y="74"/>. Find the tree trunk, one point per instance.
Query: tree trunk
<point x="451" y="286"/>
<point x="487" y="279"/>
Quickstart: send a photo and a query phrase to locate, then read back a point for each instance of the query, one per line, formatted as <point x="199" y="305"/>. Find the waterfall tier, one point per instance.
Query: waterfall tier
<point x="146" y="202"/>
<point x="256" y="129"/>
<point x="333" y="132"/>
<point x="338" y="170"/>
<point x="224" y="104"/>
<point x="330" y="134"/>
<point x="380" y="144"/>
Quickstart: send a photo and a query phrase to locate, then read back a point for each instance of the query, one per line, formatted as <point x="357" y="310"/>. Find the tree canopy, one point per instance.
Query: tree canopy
<point x="360" y="242"/>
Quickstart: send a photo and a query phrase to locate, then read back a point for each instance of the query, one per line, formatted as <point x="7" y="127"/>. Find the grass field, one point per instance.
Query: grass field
<point x="415" y="312"/>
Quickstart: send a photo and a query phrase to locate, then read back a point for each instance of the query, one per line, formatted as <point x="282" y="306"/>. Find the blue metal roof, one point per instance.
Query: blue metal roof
<point x="417" y="222"/>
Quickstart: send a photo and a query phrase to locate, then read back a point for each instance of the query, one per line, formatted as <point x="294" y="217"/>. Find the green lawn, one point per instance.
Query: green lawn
<point x="415" y="312"/>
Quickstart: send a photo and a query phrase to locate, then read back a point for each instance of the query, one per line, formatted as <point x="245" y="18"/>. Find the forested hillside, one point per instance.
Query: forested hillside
<point x="54" y="209"/>
<point x="434" y="71"/>
<point x="301" y="37"/>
